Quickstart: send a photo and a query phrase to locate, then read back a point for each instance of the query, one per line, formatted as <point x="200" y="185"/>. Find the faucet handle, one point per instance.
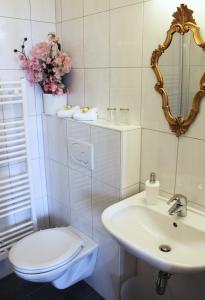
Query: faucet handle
<point x="181" y="199"/>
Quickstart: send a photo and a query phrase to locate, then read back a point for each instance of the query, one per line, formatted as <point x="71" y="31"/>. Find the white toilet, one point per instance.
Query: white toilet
<point x="62" y="256"/>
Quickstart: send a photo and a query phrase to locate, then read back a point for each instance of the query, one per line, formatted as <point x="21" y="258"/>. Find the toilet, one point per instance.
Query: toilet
<point x="61" y="256"/>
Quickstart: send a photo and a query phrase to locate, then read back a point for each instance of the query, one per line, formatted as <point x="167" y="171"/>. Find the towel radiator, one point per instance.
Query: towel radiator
<point x="17" y="214"/>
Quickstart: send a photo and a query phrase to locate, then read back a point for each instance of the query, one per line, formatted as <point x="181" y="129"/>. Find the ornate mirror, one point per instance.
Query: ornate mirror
<point x="179" y="65"/>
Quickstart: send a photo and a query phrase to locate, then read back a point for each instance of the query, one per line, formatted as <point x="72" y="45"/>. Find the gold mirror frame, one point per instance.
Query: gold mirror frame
<point x="183" y="22"/>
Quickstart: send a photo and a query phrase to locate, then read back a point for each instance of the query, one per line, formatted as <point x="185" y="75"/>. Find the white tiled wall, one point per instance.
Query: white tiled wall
<point x="104" y="39"/>
<point x="114" y="40"/>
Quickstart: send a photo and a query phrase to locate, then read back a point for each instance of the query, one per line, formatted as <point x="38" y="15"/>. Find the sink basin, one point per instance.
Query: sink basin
<point x="170" y="243"/>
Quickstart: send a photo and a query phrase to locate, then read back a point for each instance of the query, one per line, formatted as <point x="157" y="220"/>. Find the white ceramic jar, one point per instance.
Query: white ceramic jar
<point x="53" y="103"/>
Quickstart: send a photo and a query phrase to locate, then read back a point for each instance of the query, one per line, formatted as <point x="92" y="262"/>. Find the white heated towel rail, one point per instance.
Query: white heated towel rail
<point x="15" y="190"/>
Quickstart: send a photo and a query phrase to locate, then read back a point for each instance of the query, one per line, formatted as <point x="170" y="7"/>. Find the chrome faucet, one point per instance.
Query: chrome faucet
<point x="180" y="205"/>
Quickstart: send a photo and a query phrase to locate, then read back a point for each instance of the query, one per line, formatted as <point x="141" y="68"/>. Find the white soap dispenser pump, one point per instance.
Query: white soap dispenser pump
<point x="152" y="189"/>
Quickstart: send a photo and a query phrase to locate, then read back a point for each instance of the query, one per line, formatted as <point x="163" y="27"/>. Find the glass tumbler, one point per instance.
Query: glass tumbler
<point x="111" y="114"/>
<point x="124" y="116"/>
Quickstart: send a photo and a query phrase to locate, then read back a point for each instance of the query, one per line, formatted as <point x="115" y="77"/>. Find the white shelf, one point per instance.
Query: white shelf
<point x="103" y="124"/>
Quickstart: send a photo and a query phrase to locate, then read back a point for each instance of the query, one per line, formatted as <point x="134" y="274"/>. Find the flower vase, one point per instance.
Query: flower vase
<point x="53" y="103"/>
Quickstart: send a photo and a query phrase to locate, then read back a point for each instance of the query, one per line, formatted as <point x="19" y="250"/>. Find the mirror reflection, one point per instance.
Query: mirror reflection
<point x="182" y="66"/>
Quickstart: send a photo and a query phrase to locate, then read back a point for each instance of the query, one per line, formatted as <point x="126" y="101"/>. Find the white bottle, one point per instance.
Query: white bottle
<point x="152" y="189"/>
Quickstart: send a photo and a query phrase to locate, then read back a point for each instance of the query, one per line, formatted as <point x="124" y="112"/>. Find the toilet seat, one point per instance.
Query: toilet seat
<point x="45" y="250"/>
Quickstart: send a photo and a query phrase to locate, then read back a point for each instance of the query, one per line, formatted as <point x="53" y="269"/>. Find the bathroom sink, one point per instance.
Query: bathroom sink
<point x="170" y="243"/>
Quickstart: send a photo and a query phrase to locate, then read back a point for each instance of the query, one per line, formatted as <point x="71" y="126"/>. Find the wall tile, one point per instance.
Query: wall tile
<point x="59" y="31"/>
<point x="72" y="9"/>
<point x="141" y="285"/>
<point x="126" y="36"/>
<point x="36" y="179"/>
<point x="105" y="278"/>
<point x="78" y="130"/>
<point x="31" y="104"/>
<point x="58" y="10"/>
<point x="97" y="90"/>
<point x="59" y="214"/>
<point x="42" y="216"/>
<point x="159" y="154"/>
<point x="102" y="197"/>
<point x="23" y="216"/>
<point x="96" y="46"/>
<point x="81" y="132"/>
<point x="12" y="33"/>
<point x="107" y="163"/>
<point x="152" y="113"/>
<point x="72" y="36"/>
<point x="56" y="130"/>
<point x="190" y="179"/>
<point x="130" y="158"/>
<point x="58" y="177"/>
<point x="4" y="171"/>
<point x="95" y="6"/>
<point x="188" y="287"/>
<point x="161" y="193"/>
<point x="43" y="179"/>
<point x="17" y="74"/>
<point x="15" y="9"/>
<point x="159" y="26"/>
<point x="38" y="99"/>
<point x="47" y="176"/>
<point x="43" y="10"/>
<point x="40" y="135"/>
<point x="128" y="269"/>
<point x="119" y="3"/>
<point x="11" y="112"/>
<point x="75" y="82"/>
<point x="40" y="31"/>
<point x="125" y="91"/>
<point x="196" y="130"/>
<point x="129" y="191"/>
<point x="33" y="137"/>
<point x="80" y="199"/>
<point x="16" y="169"/>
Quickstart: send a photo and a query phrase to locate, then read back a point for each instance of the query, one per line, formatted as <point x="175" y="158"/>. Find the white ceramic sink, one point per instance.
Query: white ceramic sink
<point x="143" y="228"/>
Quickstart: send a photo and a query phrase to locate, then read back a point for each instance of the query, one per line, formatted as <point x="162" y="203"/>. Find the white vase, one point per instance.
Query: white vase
<point x="53" y="103"/>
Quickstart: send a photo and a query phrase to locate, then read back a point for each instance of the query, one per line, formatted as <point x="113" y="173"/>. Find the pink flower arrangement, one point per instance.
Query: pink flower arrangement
<point x="46" y="65"/>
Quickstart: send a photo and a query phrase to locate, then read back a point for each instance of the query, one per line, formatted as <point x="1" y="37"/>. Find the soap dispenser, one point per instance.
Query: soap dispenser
<point x="152" y="189"/>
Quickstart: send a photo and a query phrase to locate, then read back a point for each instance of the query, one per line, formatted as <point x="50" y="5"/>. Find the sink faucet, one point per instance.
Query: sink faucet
<point x="180" y="205"/>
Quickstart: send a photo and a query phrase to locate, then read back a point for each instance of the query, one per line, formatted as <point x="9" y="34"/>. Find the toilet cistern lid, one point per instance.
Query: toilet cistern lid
<point x="45" y="249"/>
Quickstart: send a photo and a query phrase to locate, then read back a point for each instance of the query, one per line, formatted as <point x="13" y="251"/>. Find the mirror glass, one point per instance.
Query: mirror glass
<point x="182" y="66"/>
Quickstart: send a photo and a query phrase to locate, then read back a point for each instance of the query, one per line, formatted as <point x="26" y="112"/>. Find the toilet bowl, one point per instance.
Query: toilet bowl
<point x="62" y="256"/>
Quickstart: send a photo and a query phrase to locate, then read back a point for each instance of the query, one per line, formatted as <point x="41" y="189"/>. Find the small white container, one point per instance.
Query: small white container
<point x="53" y="103"/>
<point x="152" y="189"/>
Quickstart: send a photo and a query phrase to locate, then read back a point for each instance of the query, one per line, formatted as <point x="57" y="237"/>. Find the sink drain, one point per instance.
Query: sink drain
<point x="165" y="248"/>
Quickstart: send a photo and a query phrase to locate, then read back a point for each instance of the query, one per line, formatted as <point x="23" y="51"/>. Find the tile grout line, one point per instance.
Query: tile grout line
<point x="84" y="73"/>
<point x="27" y="19"/>
<point x="109" y="57"/>
<point x="176" y="165"/>
<point x="103" y="11"/>
<point x="141" y="102"/>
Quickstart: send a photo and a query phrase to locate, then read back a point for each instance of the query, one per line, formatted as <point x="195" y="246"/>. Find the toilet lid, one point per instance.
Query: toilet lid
<point x="45" y="250"/>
